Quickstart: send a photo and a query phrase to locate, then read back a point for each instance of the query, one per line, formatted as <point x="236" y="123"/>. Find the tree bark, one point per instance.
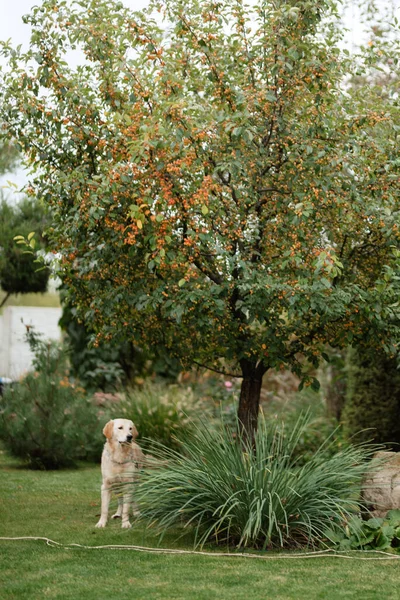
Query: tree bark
<point x="249" y="400"/>
<point x="6" y="297"/>
<point x="335" y="393"/>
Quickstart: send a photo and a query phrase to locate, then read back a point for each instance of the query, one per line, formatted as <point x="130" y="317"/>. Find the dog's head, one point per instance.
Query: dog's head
<point x="122" y="431"/>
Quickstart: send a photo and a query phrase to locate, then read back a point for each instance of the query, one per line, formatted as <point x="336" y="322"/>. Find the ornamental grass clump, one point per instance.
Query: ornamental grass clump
<point x="260" y="497"/>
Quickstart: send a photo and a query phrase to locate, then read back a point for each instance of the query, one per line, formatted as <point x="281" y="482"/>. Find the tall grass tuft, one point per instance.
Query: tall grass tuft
<point x="262" y="498"/>
<point x="160" y="413"/>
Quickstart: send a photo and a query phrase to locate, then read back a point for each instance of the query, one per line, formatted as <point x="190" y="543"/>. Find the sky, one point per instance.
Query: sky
<point x="12" y="26"/>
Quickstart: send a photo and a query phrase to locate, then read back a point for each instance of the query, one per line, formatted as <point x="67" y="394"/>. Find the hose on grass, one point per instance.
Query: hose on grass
<point x="330" y="553"/>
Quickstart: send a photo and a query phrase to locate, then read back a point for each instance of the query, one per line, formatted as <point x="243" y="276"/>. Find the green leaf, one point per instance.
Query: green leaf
<point x="382" y="542"/>
<point x="315" y="385"/>
<point x="237" y="131"/>
<point x="335" y="536"/>
<point x="374" y="523"/>
<point x="394" y="516"/>
<point x="204" y="209"/>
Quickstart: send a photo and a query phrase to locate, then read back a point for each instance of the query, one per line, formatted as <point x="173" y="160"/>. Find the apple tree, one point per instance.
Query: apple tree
<point x="215" y="184"/>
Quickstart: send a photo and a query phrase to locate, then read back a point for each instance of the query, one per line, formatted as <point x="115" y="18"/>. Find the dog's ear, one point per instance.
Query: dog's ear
<point x="108" y="429"/>
<point x="135" y="432"/>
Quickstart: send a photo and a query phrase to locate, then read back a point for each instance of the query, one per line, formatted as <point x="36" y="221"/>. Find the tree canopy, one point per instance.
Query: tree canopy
<point x="215" y="185"/>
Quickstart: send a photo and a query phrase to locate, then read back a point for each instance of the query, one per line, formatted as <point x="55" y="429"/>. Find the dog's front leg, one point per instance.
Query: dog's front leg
<point x="105" y="501"/>
<point x="127" y="499"/>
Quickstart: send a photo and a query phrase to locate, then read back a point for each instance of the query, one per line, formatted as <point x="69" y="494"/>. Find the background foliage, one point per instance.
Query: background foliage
<point x="372" y="408"/>
<point x="161" y="413"/>
<point x="19" y="273"/>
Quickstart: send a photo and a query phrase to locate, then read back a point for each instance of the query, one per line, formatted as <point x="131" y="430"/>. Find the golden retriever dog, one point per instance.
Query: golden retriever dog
<point x="121" y="460"/>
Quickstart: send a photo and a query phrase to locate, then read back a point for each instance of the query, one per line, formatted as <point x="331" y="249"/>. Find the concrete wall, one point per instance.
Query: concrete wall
<point x="15" y="356"/>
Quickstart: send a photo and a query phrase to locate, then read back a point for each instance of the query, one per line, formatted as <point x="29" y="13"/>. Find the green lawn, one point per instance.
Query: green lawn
<point x="64" y="506"/>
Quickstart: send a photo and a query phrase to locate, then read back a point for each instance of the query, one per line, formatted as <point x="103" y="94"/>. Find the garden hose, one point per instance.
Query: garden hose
<point x="328" y="553"/>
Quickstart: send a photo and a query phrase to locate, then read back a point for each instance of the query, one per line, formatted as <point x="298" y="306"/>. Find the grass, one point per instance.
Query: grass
<point x="64" y="506"/>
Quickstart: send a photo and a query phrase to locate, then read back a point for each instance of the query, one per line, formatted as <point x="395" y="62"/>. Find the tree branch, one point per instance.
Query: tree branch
<point x="6" y="297"/>
<point x="236" y="375"/>
<point x="207" y="272"/>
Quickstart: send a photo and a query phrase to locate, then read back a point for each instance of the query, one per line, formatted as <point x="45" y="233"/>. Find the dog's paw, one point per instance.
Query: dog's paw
<point x="116" y="516"/>
<point x="136" y="513"/>
<point x="101" y="524"/>
<point x="126" y="525"/>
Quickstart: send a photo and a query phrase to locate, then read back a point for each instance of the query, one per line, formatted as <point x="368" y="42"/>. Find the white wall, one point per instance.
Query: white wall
<point x="15" y="356"/>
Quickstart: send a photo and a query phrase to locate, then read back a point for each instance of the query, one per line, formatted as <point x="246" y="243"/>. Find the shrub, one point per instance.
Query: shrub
<point x="372" y="409"/>
<point x="261" y="498"/>
<point x="160" y="413"/>
<point x="46" y="420"/>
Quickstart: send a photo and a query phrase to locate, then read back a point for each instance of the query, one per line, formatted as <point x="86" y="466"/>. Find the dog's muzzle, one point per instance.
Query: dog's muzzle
<point x="129" y="438"/>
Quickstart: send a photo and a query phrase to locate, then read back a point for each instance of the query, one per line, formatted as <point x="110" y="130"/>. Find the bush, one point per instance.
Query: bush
<point x="160" y="413"/>
<point x="259" y="498"/>
<point x="46" y="420"/>
<point x="372" y="409"/>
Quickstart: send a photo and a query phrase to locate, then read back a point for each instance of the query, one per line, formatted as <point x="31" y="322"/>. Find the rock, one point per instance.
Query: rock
<point x="381" y="490"/>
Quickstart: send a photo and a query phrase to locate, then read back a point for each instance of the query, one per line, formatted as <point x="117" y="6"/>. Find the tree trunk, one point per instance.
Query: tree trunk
<point x="6" y="297"/>
<point x="249" y="401"/>
<point x="335" y="393"/>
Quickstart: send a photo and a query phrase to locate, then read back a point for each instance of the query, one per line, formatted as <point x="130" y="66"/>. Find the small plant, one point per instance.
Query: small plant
<point x="45" y="419"/>
<point x="372" y="534"/>
<point x="260" y="497"/>
<point x="160" y="413"/>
